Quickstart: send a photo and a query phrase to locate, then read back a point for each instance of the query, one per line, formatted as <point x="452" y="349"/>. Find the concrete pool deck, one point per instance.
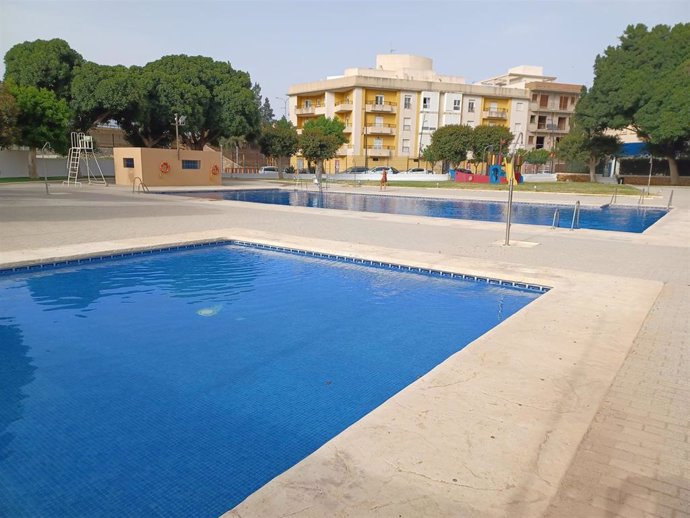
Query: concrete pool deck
<point x="575" y="406"/>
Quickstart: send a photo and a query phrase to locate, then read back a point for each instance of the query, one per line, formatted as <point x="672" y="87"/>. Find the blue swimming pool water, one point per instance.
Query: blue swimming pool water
<point x="623" y="219"/>
<point x="177" y="383"/>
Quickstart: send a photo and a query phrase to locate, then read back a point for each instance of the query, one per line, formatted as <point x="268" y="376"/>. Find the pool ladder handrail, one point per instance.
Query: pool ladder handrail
<point x="576" y="216"/>
<point x="142" y="186"/>
<point x="670" y="199"/>
<point x="640" y="200"/>
<point x="556" y="218"/>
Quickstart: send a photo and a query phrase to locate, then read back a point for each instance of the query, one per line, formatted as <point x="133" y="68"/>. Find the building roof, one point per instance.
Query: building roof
<point x="554" y="87"/>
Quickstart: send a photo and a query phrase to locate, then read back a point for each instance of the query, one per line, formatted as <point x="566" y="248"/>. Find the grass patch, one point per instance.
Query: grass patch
<point x="24" y="179"/>
<point x="555" y="187"/>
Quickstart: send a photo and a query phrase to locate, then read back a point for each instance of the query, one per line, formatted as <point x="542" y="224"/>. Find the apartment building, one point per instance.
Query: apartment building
<point x="391" y="111"/>
<point x="551" y="108"/>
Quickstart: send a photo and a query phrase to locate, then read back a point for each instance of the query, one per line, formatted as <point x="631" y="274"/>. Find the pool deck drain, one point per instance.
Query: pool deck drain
<point x="535" y="418"/>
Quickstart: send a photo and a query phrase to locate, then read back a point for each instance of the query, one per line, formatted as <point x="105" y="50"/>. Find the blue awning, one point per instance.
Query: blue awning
<point x="633" y="149"/>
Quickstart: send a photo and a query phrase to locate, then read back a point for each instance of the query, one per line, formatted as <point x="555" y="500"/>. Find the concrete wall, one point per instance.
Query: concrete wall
<point x="148" y="161"/>
<point x="16" y="164"/>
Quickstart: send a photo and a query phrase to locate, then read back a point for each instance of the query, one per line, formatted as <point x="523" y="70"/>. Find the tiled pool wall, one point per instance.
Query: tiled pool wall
<point x="114" y="256"/>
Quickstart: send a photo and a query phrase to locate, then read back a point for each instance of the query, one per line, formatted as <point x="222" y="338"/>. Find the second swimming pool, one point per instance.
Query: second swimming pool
<point x="622" y="219"/>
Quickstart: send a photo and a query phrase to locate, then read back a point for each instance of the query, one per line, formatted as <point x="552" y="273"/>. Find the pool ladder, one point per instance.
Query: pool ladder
<point x="142" y="187"/>
<point x="556" y="218"/>
<point x="576" y="216"/>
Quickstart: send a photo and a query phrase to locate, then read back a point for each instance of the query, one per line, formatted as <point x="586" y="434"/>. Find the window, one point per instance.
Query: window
<point x="541" y="124"/>
<point x="379" y="99"/>
<point x="519" y="107"/>
<point x="563" y="102"/>
<point x="191" y="164"/>
<point x="408" y="102"/>
<point x="532" y="119"/>
<point x="378" y="143"/>
<point x="407" y="124"/>
<point x="544" y="101"/>
<point x="540" y="143"/>
<point x="128" y="163"/>
<point x="493" y="107"/>
<point x="456" y="105"/>
<point x="561" y="122"/>
<point x="406" y="145"/>
<point x="518" y="128"/>
<point x="426" y="103"/>
<point x="470" y="106"/>
<point x="307" y="103"/>
<point x="530" y="139"/>
<point x="535" y="97"/>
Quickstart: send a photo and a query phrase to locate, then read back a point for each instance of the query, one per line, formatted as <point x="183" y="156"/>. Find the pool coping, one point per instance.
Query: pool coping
<point x="428" y="449"/>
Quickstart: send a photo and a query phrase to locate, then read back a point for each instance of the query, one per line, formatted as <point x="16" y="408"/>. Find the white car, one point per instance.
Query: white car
<point x="268" y="169"/>
<point x="381" y="168"/>
<point x="418" y="170"/>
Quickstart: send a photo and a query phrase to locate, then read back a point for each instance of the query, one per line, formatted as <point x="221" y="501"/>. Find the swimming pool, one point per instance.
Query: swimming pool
<point x="176" y="383"/>
<point x="622" y="219"/>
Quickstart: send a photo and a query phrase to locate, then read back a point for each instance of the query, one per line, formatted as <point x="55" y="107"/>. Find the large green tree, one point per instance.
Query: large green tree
<point x="449" y="144"/>
<point x="581" y="145"/>
<point x="9" y="111"/>
<point x="101" y="93"/>
<point x="44" y="64"/>
<point x="320" y="139"/>
<point x="496" y="138"/>
<point x="42" y="118"/>
<point x="215" y="100"/>
<point x="279" y="140"/>
<point x="643" y="83"/>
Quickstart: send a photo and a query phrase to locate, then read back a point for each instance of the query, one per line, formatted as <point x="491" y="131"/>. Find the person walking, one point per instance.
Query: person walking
<point x="384" y="180"/>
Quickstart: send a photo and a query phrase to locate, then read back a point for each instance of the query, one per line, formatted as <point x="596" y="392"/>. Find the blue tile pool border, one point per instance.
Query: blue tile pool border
<point x="49" y="265"/>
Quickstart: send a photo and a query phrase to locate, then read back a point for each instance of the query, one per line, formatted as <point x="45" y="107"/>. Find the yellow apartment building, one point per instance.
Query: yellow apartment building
<point x="391" y="111"/>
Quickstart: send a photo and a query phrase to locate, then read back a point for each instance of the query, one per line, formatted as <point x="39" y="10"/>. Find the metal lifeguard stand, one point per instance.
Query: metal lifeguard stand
<point x="81" y="149"/>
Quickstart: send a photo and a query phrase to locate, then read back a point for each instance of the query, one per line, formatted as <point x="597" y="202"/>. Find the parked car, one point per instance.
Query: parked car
<point x="418" y="170"/>
<point x="381" y="168"/>
<point x="268" y="169"/>
<point x="355" y="170"/>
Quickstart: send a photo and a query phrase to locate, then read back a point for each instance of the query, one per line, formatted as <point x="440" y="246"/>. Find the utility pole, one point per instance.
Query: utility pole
<point x="285" y="103"/>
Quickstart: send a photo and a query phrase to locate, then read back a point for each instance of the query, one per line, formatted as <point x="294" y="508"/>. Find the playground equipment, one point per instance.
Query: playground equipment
<point x="81" y="150"/>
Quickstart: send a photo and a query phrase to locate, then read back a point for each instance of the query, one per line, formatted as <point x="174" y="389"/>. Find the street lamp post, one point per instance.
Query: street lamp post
<point x="285" y="103"/>
<point x="179" y="121"/>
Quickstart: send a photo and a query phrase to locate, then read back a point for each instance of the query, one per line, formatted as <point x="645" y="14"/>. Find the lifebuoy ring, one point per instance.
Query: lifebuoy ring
<point x="164" y="167"/>
<point x="215" y="170"/>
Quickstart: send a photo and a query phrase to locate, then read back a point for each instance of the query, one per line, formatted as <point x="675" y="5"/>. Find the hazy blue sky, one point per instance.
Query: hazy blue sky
<point x="285" y="42"/>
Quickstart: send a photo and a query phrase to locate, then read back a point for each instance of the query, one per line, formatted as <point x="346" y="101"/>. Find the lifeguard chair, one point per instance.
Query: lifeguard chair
<point x="81" y="150"/>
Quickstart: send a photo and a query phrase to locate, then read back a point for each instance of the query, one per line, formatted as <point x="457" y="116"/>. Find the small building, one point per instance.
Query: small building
<point x="162" y="167"/>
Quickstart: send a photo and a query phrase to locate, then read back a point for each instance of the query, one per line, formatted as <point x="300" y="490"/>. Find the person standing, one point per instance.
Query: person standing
<point x="384" y="180"/>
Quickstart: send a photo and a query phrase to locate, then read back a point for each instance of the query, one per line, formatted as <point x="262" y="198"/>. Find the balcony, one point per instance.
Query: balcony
<point x="343" y="106"/>
<point x="551" y="107"/>
<point x="345" y="150"/>
<point x="348" y="128"/>
<point x="548" y="128"/>
<point x="306" y="110"/>
<point x="380" y="129"/>
<point x="379" y="151"/>
<point x="384" y="107"/>
<point x="495" y="114"/>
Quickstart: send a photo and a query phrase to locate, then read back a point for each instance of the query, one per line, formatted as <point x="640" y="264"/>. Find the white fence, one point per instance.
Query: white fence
<point x="17" y="164"/>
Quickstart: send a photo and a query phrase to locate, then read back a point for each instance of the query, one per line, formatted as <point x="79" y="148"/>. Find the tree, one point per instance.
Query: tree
<point x="266" y="112"/>
<point x="43" y="64"/>
<point x="581" y="145"/>
<point x="42" y="118"/>
<point x="537" y="156"/>
<point x="100" y="93"/>
<point x="449" y="143"/>
<point x="497" y="138"/>
<point x="320" y="139"/>
<point x="216" y="101"/>
<point x="642" y="83"/>
<point x="9" y="111"/>
<point x="279" y="140"/>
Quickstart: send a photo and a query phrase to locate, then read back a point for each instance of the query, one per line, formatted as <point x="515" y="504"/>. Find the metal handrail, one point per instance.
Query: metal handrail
<point x="142" y="185"/>
<point x="670" y="199"/>
<point x="556" y="218"/>
<point x="576" y="216"/>
<point x="640" y="200"/>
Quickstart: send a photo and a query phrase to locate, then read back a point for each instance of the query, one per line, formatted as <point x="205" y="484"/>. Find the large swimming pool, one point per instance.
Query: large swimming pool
<point x="176" y="383"/>
<point x="622" y="219"/>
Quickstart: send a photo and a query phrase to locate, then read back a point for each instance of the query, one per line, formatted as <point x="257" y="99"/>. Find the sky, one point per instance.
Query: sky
<point x="281" y="43"/>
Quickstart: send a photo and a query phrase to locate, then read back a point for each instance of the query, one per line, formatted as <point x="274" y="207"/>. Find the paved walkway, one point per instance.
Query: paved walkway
<point x="607" y="436"/>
